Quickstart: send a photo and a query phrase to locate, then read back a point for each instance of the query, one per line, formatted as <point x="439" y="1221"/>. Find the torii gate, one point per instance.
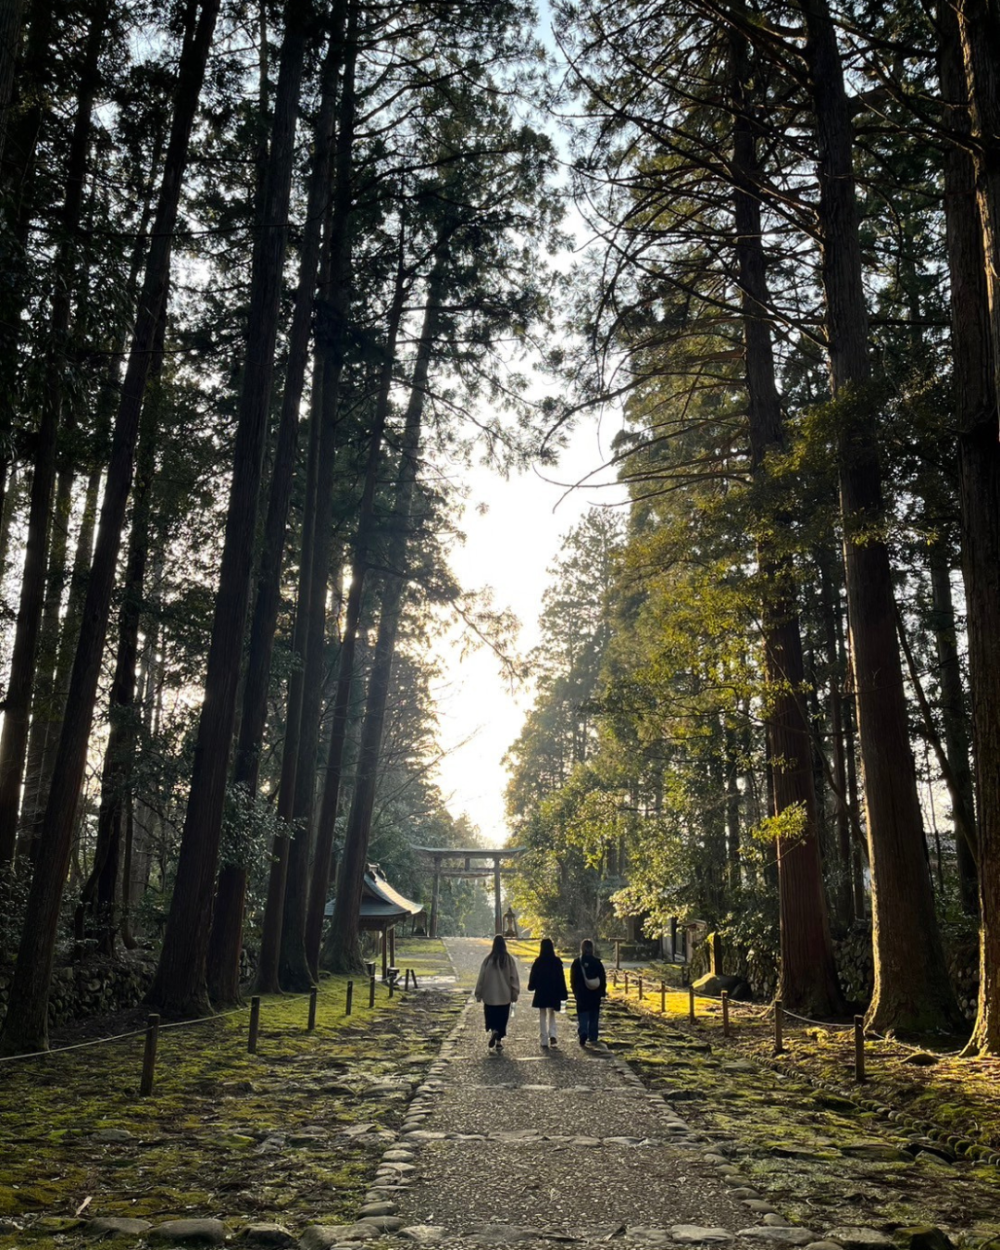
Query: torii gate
<point x="468" y="873"/>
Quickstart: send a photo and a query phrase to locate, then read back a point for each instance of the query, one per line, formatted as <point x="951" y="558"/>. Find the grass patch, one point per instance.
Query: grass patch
<point x="225" y="1133"/>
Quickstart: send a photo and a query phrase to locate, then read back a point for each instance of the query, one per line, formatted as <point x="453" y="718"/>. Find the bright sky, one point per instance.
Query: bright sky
<point x="509" y="548"/>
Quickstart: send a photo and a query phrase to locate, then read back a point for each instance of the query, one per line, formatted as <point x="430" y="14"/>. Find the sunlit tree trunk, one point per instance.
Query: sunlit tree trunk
<point x="912" y="987"/>
<point x="976" y="399"/>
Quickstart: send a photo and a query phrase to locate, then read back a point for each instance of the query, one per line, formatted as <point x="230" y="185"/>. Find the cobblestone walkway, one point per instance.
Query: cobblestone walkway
<point x="537" y="1146"/>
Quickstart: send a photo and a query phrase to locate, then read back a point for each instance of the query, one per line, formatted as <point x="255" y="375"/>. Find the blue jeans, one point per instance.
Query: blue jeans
<point x="587" y="1022"/>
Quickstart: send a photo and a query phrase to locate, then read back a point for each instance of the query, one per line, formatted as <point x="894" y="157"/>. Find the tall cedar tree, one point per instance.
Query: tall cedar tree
<point x="912" y="989"/>
<point x="807" y="976"/>
<point x="180" y="986"/>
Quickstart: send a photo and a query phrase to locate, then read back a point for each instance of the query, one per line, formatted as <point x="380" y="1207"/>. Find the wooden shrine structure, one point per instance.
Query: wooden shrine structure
<point x="382" y="908"/>
<point x="456" y="864"/>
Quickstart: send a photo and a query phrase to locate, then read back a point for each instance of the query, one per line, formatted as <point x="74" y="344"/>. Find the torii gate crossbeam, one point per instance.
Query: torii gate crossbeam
<point x="441" y="853"/>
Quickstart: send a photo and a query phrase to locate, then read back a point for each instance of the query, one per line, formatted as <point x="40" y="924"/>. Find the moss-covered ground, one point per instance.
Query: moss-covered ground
<point x="276" y="1135"/>
<point x="917" y="1143"/>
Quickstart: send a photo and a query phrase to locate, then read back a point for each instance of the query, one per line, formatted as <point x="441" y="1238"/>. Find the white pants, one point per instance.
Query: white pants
<point x="546" y="1024"/>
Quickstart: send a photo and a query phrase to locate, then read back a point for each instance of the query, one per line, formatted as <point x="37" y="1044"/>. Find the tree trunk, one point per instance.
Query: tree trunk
<point x="979" y="33"/>
<point x="340" y="950"/>
<point x="808" y="979"/>
<point x="100" y="892"/>
<point x="912" y="989"/>
<point x="345" y="675"/>
<point x="180" y="986"/>
<point x="956" y="732"/>
<point x="332" y="310"/>
<point x="44" y="718"/>
<point x="976" y="396"/>
<point x="227" y="919"/>
<point x="26" y="1023"/>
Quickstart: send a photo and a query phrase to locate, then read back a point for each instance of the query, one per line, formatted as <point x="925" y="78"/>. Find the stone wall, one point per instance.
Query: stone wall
<point x="92" y="987"/>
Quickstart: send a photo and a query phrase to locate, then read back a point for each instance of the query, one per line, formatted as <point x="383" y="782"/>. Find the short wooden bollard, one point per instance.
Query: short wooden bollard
<point x="254" y="1024"/>
<point x="414" y="975"/>
<point x="149" y="1056"/>
<point x="639" y="988"/>
<point x="691" y="1003"/>
<point x="779" y="1019"/>
<point x="614" y="978"/>
<point x="859" y="1048"/>
<point x="626" y="984"/>
<point x="406" y="979"/>
<point x="312" y="1008"/>
<point x="349" y="1005"/>
<point x="725" y="1013"/>
<point x="392" y="985"/>
<point x="371" y="991"/>
<point x="663" y="998"/>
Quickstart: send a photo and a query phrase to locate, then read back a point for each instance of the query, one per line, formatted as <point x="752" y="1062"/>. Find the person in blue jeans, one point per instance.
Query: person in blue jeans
<point x="589" y="985"/>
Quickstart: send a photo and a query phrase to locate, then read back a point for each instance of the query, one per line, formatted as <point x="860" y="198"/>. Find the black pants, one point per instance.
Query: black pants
<point x="496" y="1018"/>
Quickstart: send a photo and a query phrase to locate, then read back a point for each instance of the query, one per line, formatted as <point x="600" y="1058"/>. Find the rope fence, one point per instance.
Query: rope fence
<point x="155" y="1027"/>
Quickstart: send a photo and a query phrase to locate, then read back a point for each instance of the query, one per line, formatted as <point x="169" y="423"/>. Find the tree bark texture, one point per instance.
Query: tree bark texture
<point x="180" y="986"/>
<point x="976" y="398"/>
<point x="26" y="1027"/>
<point x="912" y="988"/>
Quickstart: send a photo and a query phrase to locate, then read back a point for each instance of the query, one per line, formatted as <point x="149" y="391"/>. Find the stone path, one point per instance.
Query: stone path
<point x="536" y="1147"/>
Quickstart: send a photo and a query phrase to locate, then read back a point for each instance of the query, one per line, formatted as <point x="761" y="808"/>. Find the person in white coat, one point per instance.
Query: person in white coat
<point x="497" y="989"/>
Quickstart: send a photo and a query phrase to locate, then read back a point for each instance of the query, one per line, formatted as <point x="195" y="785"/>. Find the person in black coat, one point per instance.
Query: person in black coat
<point x="548" y="981"/>
<point x="589" y="984"/>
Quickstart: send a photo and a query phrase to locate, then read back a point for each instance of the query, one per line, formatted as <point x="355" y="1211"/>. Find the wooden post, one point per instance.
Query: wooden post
<point x="779" y="1017"/>
<point x="385" y="954"/>
<point x="663" y="998"/>
<point x="725" y="1013"/>
<point x="406" y="979"/>
<point x="639" y="988"/>
<point x="312" y="1007"/>
<point x="497" y="912"/>
<point x="626" y="982"/>
<point x="859" y="1048"/>
<point x="149" y="1056"/>
<point x="691" y="1003"/>
<point x="371" y="990"/>
<point x="414" y="975"/>
<point x="392" y="947"/>
<point x="618" y="952"/>
<point x="614" y="978"/>
<point x="348" y="1006"/>
<point x="435" y="895"/>
<point x="254" y="1024"/>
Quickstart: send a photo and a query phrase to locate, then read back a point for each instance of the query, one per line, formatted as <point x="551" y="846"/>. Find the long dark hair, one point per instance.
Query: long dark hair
<point x="498" y="955"/>
<point x="546" y="950"/>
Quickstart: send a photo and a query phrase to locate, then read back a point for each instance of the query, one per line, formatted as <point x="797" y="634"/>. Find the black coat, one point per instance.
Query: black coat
<point x="587" y="1000"/>
<point x="548" y="981"/>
